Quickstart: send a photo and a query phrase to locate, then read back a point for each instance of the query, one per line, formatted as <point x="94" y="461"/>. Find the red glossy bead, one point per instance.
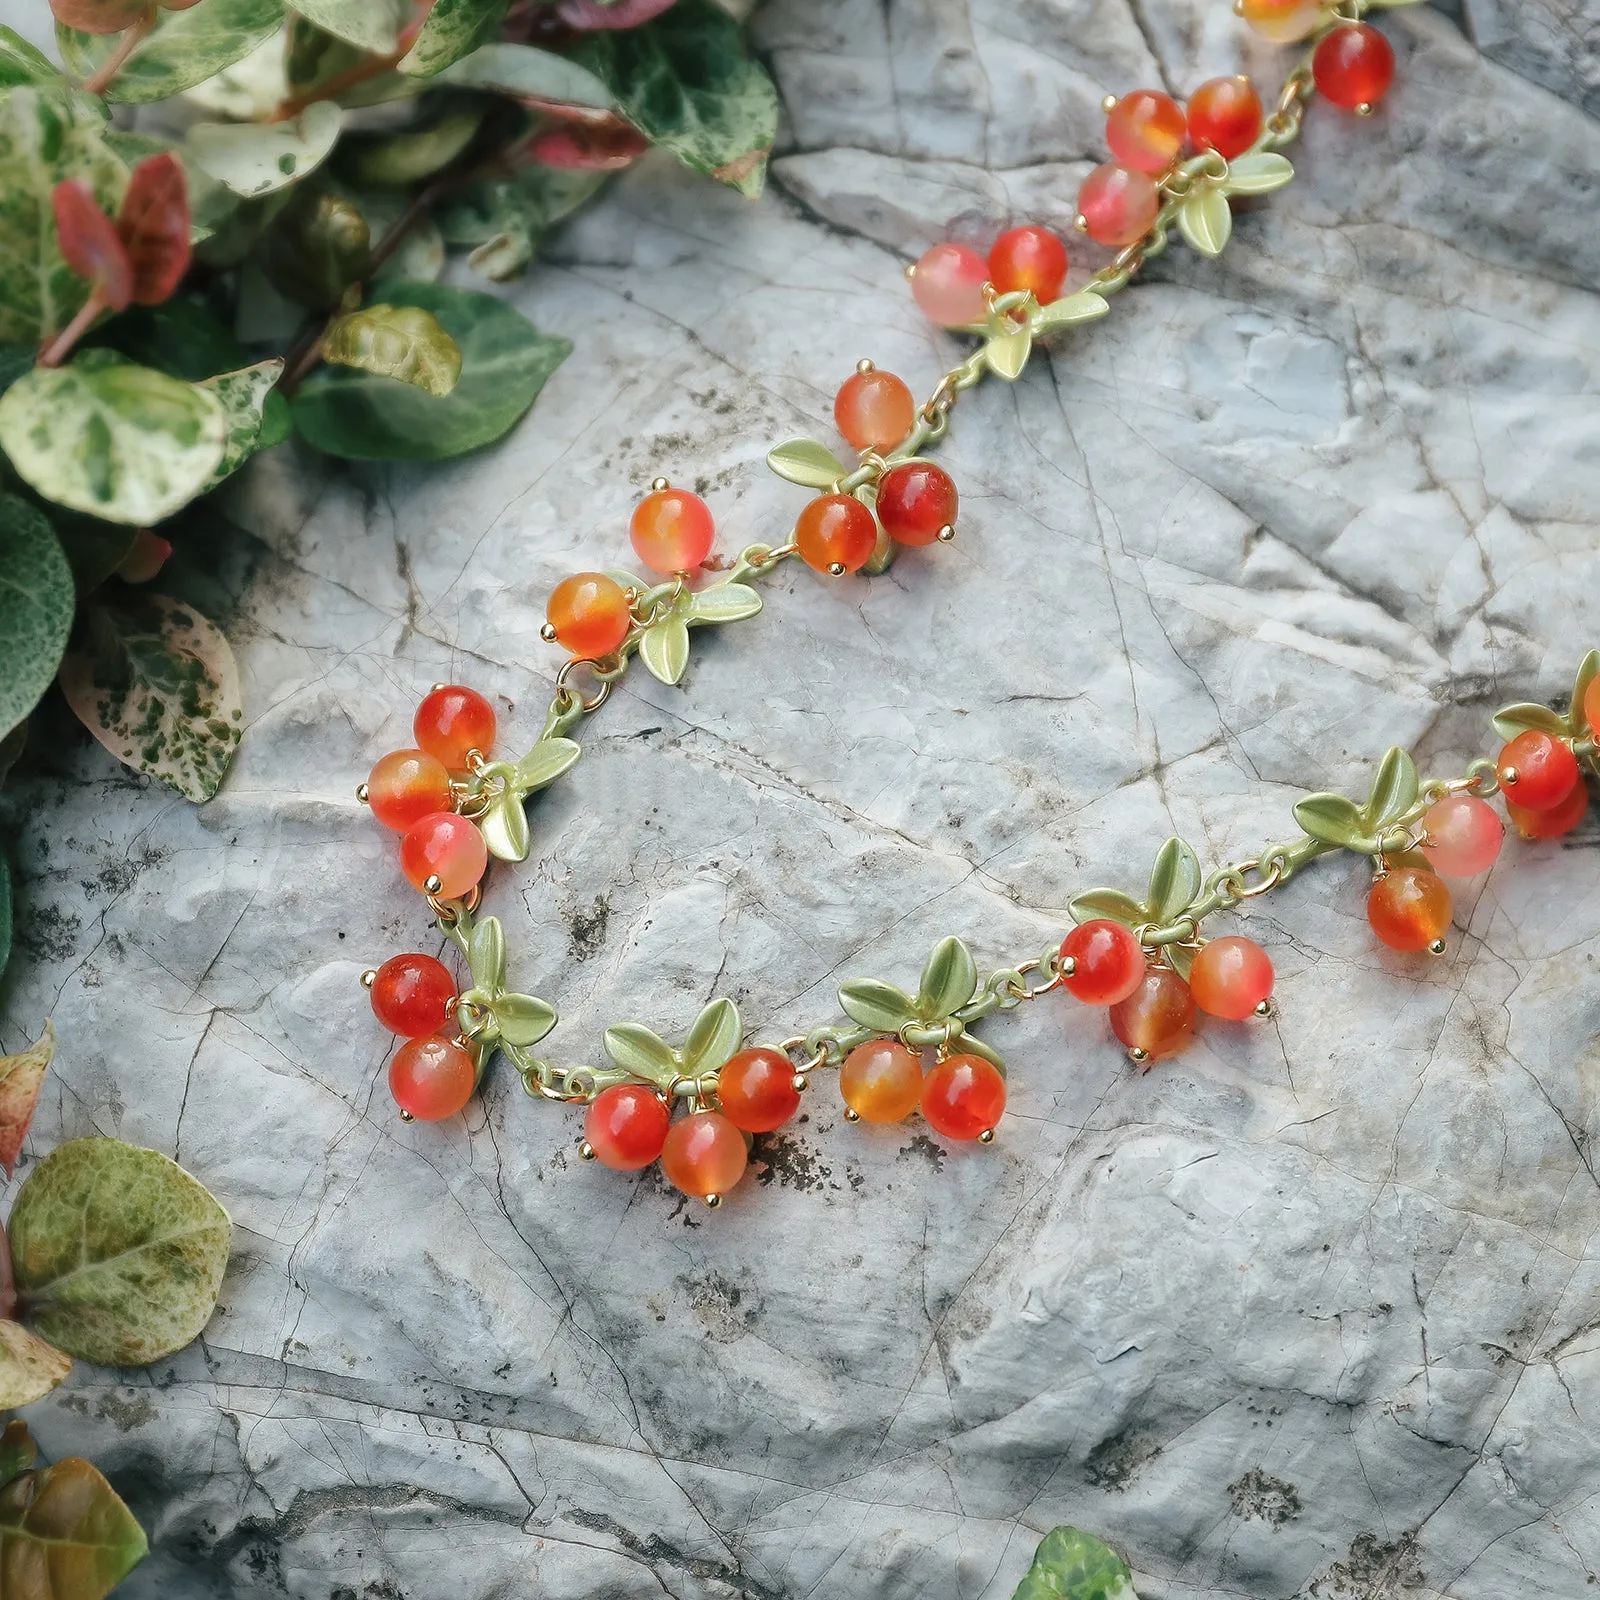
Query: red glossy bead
<point x="1409" y="909"/>
<point x="836" y="531"/>
<point x="453" y="721"/>
<point x="963" y="1097"/>
<point x="1145" y="130"/>
<point x="1555" y="823"/>
<point x="1461" y="836"/>
<point x="1537" y="770"/>
<point x="405" y="786"/>
<point x="1028" y="258"/>
<point x="1231" y="977"/>
<point x="589" y="614"/>
<point x="1225" y="116"/>
<point x="915" y="501"/>
<point x="874" y="410"/>
<point x="672" y="530"/>
<point x="1353" y="66"/>
<point x="1118" y="205"/>
<point x="446" y="847"/>
<point x="881" y="1081"/>
<point x="1591" y="705"/>
<point x="626" y="1126"/>
<point x="704" y="1154"/>
<point x="947" y="283"/>
<point x="1107" y="962"/>
<point x="1283" y="21"/>
<point x="756" y="1090"/>
<point x="431" y="1078"/>
<point x="411" y="995"/>
<point x="1158" y="1017"/>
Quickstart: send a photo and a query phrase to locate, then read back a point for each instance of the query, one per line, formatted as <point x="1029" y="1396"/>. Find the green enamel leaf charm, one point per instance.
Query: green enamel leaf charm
<point x="949" y="981"/>
<point x="1335" y="820"/>
<point x="1072" y="1565"/>
<point x="1394" y="791"/>
<point x="876" y="1005"/>
<point x="1175" y="881"/>
<point x="1084" y="306"/>
<point x="804" y="461"/>
<point x="1509" y="721"/>
<point x="1206" y="221"/>
<point x="1112" y="904"/>
<point x="1007" y="352"/>
<point x="1260" y="173"/>
<point x="664" y="648"/>
<point x="486" y="955"/>
<point x="642" y="1053"/>
<point x="723" y="602"/>
<point x="714" y="1038"/>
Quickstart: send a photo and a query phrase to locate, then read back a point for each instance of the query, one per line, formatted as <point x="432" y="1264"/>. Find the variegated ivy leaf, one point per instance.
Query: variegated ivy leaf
<point x="804" y="461"/>
<point x="1260" y="173"/>
<point x="29" y="1367"/>
<point x="876" y="1005"/>
<point x="949" y="980"/>
<point x="1206" y="221"/>
<point x="1113" y="904"/>
<point x="1175" y="881"/>
<point x="1072" y="1565"/>
<point x="255" y="158"/>
<point x="243" y="395"/>
<point x="405" y="343"/>
<point x="714" y="1039"/>
<point x="1084" y="306"/>
<point x="1509" y="721"/>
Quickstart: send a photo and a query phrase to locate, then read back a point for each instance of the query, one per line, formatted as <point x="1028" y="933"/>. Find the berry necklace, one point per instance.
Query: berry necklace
<point x="1145" y="960"/>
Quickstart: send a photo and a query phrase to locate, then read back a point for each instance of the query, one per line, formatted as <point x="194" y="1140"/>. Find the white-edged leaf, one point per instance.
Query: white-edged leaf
<point x="717" y="1033"/>
<point x="664" y="648"/>
<point x="1206" y="221"/>
<point x="1260" y="173"/>
<point x="804" y="461"/>
<point x="253" y="158"/>
<point x="243" y="395"/>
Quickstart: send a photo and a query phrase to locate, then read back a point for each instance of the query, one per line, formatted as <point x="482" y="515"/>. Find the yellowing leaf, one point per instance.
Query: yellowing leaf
<point x="401" y="342"/>
<point x="29" y="1367"/>
<point x="65" y="1535"/>
<point x="21" y="1077"/>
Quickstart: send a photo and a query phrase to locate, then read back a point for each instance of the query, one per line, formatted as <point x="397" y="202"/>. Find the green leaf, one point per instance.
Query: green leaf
<point x="18" y="1452"/>
<point x="664" y="648"/>
<point x="722" y="602"/>
<point x="94" y="549"/>
<point x="29" y="1368"/>
<point x="1084" y="306"/>
<point x="413" y="155"/>
<point x="1072" y="1565"/>
<point x="44" y="139"/>
<point x="506" y="217"/>
<point x="504" y="826"/>
<point x="21" y="1078"/>
<point x="65" y="1535"/>
<point x="1509" y="721"/>
<point x="524" y="72"/>
<point x="1110" y="903"/>
<point x="523" y="1018"/>
<point x="505" y="361"/>
<point x="21" y="64"/>
<point x="37" y="600"/>
<point x="179" y="337"/>
<point x="6" y="913"/>
<point x="1206" y="221"/>
<point x="684" y="81"/>
<point x="156" y="684"/>
<point x="645" y="1054"/>
<point x="717" y="1033"/>
<point x="454" y="28"/>
<point x="113" y="439"/>
<point x="948" y="981"/>
<point x="254" y="159"/>
<point x="876" y="1005"/>
<point x="486" y="956"/>
<point x="183" y="49"/>
<point x="804" y="461"/>
<point x="1175" y="881"/>
<point x="543" y="764"/>
<point x="1007" y="353"/>
<point x="118" y="1252"/>
<point x="371" y="25"/>
<point x="318" y="246"/>
<point x="244" y="395"/>
<point x="1394" y="790"/>
<point x="1258" y="174"/>
<point x="405" y="343"/>
<point x="1332" y="818"/>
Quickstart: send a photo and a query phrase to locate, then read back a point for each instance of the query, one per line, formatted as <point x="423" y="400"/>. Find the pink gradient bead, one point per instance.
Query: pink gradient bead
<point x="1231" y="977"/>
<point x="1146" y="130"/>
<point x="446" y="847"/>
<point x="947" y="283"/>
<point x="1118" y="205"/>
<point x="1461" y="836"/>
<point x="671" y="530"/>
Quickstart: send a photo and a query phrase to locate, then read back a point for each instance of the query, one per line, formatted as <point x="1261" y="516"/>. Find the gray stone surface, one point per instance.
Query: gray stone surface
<point x="1310" y="1311"/>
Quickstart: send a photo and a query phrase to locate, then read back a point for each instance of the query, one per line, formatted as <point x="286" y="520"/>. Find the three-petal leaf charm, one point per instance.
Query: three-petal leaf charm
<point x="1205" y="218"/>
<point x="1337" y="820"/>
<point x="488" y="1012"/>
<point x="642" y="1053"/>
<point x="1509" y="721"/>
<point x="932" y="1015"/>
<point x="664" y="641"/>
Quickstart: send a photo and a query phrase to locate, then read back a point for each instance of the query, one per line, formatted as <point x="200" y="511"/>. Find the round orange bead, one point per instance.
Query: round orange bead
<point x="1555" y="823"/>
<point x="1158" y="1017"/>
<point x="431" y="1078"/>
<point x="672" y="530"/>
<point x="704" y="1154"/>
<point x="589" y="614"/>
<point x="1145" y="130"/>
<point x="874" y="410"/>
<point x="1028" y="258"/>
<point x="453" y="721"/>
<point x="1537" y="770"/>
<point x="405" y="786"/>
<point x="1231" y="977"/>
<point x="1118" y="205"/>
<point x="756" y="1090"/>
<point x="963" y="1097"/>
<point x="1225" y="116"/>
<point x="881" y="1081"/>
<point x="446" y="847"/>
<point x="1409" y="909"/>
<point x="626" y="1126"/>
<point x="1591" y="705"/>
<point x="1283" y="21"/>
<point x="835" y="531"/>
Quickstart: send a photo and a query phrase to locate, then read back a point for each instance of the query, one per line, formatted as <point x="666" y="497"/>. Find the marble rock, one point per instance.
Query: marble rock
<point x="1309" y="1311"/>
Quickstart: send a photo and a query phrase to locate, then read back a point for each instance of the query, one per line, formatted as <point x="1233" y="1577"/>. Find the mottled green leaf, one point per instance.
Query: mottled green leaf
<point x="486" y="955"/>
<point x="21" y="64"/>
<point x="504" y="218"/>
<point x="505" y="361"/>
<point x="524" y="72"/>
<point x="1394" y="790"/>
<point x="523" y="1019"/>
<point x="113" y="439"/>
<point x="44" y="139"/>
<point x="250" y="89"/>
<point x="21" y="1078"/>
<point x="29" y="1369"/>
<point x="1260" y="173"/>
<point x="1084" y="306"/>
<point x="1175" y="881"/>
<point x="876" y="1005"/>
<point x="244" y="398"/>
<point x="371" y="25"/>
<point x="118" y="1252"/>
<point x="412" y="155"/>
<point x="454" y="28"/>
<point x="1206" y="221"/>
<point x="804" y="461"/>
<point x="1112" y="904"/>
<point x="1333" y="818"/>
<point x="405" y="343"/>
<point x="722" y="602"/>
<point x="253" y="159"/>
<point x="1072" y="1565"/>
<point x="645" y="1054"/>
<point x="948" y="981"/>
<point x="686" y="83"/>
<point x="37" y="600"/>
<point x="183" y="49"/>
<point x="664" y="648"/>
<point x="65" y="1535"/>
<point x="717" y="1033"/>
<point x="155" y="683"/>
<point x="1509" y="721"/>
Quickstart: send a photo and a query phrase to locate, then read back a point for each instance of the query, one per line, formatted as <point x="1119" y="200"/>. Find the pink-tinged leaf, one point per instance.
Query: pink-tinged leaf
<point x="154" y="225"/>
<point x="592" y="149"/>
<point x="90" y="244"/>
<point x="99" y="16"/>
<point x="147" y="557"/>
<point x="21" y="1077"/>
<point x="622" y="14"/>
